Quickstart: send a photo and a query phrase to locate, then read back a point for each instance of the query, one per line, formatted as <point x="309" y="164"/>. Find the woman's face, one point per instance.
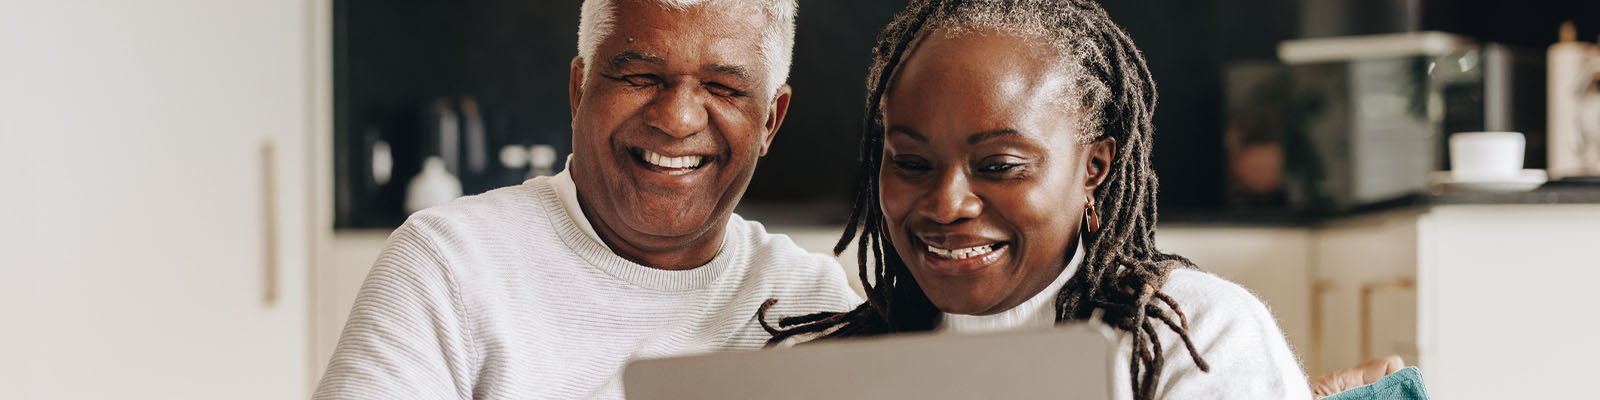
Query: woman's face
<point x="984" y="180"/>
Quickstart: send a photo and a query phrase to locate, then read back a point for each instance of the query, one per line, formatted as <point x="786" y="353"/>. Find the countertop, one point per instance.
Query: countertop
<point x="1557" y="192"/>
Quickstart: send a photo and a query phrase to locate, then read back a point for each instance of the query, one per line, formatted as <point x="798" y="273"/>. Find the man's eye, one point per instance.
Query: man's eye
<point x="637" y="80"/>
<point x="719" y="90"/>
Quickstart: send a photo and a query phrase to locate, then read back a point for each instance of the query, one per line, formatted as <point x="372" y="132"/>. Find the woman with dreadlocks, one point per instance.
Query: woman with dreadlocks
<point x="1006" y="183"/>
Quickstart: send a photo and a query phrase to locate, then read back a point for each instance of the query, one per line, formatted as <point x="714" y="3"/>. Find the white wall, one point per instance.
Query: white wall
<point x="138" y="256"/>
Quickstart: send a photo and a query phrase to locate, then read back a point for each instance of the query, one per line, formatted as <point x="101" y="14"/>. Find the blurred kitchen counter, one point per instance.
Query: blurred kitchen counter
<point x="1554" y="193"/>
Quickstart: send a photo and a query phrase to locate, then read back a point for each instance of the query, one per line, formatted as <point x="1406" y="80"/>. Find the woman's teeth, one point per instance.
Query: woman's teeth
<point x="959" y="254"/>
<point x="684" y="163"/>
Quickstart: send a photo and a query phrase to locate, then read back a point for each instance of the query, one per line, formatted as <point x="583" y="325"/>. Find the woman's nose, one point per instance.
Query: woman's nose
<point x="951" y="200"/>
<point x="677" y="111"/>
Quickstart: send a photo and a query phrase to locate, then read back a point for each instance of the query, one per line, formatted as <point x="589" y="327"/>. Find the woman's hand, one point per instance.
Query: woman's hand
<point x="1349" y="378"/>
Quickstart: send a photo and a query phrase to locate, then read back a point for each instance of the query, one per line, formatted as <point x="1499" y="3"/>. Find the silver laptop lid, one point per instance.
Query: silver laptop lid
<point x="1066" y="362"/>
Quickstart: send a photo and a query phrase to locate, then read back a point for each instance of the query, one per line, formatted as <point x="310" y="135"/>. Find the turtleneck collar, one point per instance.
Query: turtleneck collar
<point x="1038" y="311"/>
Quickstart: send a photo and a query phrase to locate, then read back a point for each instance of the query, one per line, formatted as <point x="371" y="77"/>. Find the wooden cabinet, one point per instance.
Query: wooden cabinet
<point x="1363" y="270"/>
<point x="155" y="168"/>
<point x="1272" y="261"/>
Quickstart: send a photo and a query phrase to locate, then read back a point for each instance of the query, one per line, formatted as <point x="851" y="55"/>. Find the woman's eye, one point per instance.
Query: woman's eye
<point x="999" y="168"/>
<point x="909" y="165"/>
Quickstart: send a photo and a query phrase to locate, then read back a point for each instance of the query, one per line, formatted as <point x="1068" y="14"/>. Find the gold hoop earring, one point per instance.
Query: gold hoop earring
<point x="1091" y="219"/>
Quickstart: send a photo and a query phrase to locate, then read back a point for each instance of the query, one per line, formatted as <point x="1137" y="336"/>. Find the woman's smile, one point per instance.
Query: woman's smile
<point x="962" y="259"/>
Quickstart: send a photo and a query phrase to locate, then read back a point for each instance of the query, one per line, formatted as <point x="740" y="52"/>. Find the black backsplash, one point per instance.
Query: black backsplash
<point x="394" y="58"/>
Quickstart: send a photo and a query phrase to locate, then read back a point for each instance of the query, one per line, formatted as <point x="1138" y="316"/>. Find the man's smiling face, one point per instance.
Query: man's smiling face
<point x="669" y="119"/>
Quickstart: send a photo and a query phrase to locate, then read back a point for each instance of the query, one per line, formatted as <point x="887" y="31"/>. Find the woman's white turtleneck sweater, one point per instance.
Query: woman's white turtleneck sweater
<point x="1231" y="329"/>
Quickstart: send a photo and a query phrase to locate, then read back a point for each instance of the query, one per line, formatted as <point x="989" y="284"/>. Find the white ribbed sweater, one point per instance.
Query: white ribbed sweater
<point x="1233" y="331"/>
<point x="505" y="296"/>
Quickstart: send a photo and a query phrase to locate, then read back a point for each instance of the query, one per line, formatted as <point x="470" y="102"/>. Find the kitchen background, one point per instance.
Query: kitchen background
<point x="198" y="187"/>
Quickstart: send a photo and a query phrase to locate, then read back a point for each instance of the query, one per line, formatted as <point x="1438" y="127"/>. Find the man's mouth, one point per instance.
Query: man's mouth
<point x="965" y="253"/>
<point x="668" y="165"/>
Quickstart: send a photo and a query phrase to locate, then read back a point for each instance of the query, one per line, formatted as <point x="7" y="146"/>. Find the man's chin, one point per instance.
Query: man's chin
<point x="655" y="227"/>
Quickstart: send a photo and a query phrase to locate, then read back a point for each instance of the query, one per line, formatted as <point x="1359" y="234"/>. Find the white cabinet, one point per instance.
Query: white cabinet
<point x="155" y="249"/>
<point x="1486" y="299"/>
<point x="1506" y="294"/>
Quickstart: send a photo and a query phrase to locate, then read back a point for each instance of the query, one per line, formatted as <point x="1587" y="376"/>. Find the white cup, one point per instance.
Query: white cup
<point x="1486" y="156"/>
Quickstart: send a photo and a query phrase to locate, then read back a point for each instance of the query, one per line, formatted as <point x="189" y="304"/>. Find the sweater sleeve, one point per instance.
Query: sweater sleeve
<point x="408" y="336"/>
<point x="1238" y="338"/>
<point x="836" y="285"/>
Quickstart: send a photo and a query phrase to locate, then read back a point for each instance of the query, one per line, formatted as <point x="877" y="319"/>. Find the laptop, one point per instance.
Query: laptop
<point x="1069" y="361"/>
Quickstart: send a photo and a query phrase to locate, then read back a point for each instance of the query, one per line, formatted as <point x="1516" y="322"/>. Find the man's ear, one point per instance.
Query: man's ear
<point x="775" y="113"/>
<point x="1097" y="166"/>
<point x="575" y="85"/>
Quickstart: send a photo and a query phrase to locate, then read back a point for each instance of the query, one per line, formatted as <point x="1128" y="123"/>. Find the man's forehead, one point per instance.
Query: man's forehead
<point x="729" y="31"/>
<point x="688" y="39"/>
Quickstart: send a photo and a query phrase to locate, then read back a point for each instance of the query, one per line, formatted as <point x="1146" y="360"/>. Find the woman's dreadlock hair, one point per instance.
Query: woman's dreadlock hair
<point x="1122" y="270"/>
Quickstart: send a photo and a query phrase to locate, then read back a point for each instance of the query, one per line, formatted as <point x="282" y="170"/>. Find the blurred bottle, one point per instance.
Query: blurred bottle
<point x="477" y="141"/>
<point x="447" y="134"/>
<point x="541" y="160"/>
<point x="438" y="181"/>
<point x="434" y="185"/>
<point x="1574" y="106"/>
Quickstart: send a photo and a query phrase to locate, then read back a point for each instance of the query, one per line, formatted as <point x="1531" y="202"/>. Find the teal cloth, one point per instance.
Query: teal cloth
<point x="1405" y="384"/>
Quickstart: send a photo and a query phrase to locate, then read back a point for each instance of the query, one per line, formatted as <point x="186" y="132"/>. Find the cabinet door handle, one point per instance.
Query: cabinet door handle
<point x="1367" y="291"/>
<point x="1319" y="289"/>
<point x="269" y="223"/>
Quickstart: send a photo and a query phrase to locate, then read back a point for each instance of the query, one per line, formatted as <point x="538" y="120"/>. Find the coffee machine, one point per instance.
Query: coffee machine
<point x="1340" y="123"/>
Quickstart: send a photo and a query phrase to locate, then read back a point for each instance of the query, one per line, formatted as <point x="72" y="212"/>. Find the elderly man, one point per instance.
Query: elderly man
<point x="546" y="289"/>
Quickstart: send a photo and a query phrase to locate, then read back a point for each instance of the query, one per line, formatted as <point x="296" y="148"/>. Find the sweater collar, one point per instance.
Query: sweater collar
<point x="568" y="190"/>
<point x="566" y="216"/>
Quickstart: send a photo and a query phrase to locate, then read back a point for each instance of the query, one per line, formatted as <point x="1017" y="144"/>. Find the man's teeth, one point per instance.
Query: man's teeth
<point x="958" y="254"/>
<point x="671" y="162"/>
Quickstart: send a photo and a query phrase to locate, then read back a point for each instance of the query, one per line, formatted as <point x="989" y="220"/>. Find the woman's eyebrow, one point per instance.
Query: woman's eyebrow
<point x="971" y="139"/>
<point x="986" y="135"/>
<point x="908" y="132"/>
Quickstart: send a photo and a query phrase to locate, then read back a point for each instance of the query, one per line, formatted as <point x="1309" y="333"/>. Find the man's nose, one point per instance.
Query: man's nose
<point x="951" y="200"/>
<point x="678" y="111"/>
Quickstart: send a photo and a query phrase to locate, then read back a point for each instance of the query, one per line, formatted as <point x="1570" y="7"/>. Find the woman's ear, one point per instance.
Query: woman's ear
<point x="1098" y="163"/>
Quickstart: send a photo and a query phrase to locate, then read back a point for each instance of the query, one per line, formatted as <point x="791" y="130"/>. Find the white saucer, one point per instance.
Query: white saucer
<point x="1529" y="179"/>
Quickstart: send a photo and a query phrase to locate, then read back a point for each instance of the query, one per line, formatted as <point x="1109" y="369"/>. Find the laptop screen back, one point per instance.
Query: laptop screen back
<point x="1070" y="361"/>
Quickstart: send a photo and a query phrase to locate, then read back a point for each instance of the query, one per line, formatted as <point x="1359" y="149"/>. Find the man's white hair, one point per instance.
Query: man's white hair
<point x="597" y="20"/>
